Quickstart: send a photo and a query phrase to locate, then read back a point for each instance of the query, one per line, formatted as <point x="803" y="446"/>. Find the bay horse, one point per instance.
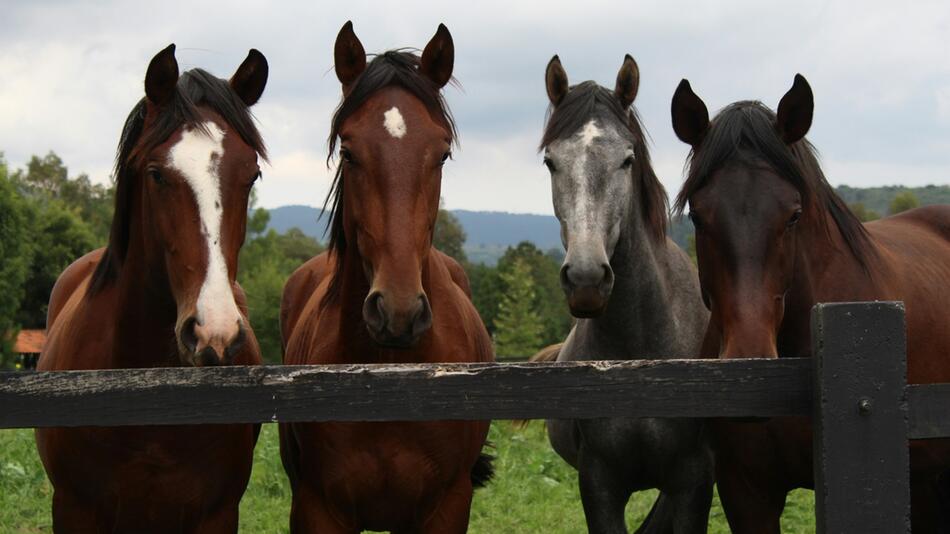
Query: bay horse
<point x="773" y="239"/>
<point x="635" y="295"/>
<point x="162" y="294"/>
<point x="383" y="294"/>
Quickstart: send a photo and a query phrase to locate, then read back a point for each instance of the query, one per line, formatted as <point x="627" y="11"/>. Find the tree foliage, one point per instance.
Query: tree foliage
<point x="449" y="236"/>
<point x="518" y="326"/>
<point x="903" y="202"/>
<point x="267" y="260"/>
<point x="863" y="213"/>
<point x="16" y="254"/>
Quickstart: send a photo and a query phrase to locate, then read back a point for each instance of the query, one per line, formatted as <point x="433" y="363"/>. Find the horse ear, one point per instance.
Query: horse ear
<point x="795" y="111"/>
<point x="690" y="117"/>
<point x="161" y="78"/>
<point x="555" y="80"/>
<point x="438" y="58"/>
<point x="250" y="78"/>
<point x="349" y="57"/>
<point x="628" y="81"/>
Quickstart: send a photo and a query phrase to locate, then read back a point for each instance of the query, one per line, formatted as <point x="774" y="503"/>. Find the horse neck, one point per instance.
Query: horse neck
<point x="639" y="311"/>
<point x="823" y="264"/>
<point x="145" y="310"/>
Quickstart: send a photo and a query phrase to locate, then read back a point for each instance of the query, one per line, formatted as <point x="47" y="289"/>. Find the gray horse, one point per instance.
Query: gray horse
<point x="635" y="294"/>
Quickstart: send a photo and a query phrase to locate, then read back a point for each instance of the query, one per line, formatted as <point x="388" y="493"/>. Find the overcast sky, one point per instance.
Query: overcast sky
<point x="71" y="71"/>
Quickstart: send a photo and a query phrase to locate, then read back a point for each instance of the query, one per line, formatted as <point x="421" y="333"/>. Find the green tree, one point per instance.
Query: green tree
<point x="863" y="213"/>
<point x="16" y="257"/>
<point x="47" y="180"/>
<point x="548" y="301"/>
<point x="903" y="202"/>
<point x="518" y="327"/>
<point x="487" y="289"/>
<point x="450" y="236"/>
<point x="59" y="238"/>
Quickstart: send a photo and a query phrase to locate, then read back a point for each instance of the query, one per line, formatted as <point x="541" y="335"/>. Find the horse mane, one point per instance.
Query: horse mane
<point x="196" y="88"/>
<point x="392" y="68"/>
<point x="583" y="102"/>
<point x="746" y="131"/>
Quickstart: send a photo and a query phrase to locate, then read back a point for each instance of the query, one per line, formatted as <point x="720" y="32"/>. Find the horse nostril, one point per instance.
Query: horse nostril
<point x="608" y="279"/>
<point x="188" y="336"/>
<point x="373" y="312"/>
<point x="566" y="283"/>
<point x="423" y="319"/>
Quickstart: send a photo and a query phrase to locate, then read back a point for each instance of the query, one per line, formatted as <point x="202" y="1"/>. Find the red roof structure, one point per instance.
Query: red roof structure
<point x="29" y="342"/>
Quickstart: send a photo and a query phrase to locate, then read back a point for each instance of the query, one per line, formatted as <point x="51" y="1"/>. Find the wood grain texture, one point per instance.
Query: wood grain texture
<point x="862" y="463"/>
<point x="671" y="388"/>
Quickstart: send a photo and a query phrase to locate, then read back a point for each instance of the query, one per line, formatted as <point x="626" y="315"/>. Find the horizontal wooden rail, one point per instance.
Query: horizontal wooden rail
<point x="928" y="410"/>
<point x="408" y="392"/>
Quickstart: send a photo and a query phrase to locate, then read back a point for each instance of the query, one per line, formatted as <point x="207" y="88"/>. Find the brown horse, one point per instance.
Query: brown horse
<point x="162" y="294"/>
<point x="772" y="240"/>
<point x="383" y="294"/>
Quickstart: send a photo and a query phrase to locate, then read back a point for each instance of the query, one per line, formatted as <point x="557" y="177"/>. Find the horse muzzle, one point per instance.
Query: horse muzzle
<point x="396" y="323"/>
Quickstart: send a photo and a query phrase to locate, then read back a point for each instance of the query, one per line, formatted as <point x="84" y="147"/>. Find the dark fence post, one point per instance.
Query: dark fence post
<point x="862" y="481"/>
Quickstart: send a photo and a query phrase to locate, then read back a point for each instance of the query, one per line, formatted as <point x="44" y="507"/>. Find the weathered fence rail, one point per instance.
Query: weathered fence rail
<point x="854" y="388"/>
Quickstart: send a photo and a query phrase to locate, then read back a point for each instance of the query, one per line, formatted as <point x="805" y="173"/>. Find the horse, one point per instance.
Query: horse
<point x="162" y="293"/>
<point x="773" y="239"/>
<point x="635" y="294"/>
<point x="383" y="294"/>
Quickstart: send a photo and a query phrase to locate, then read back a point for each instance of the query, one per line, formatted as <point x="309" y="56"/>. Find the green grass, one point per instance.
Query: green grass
<point x="533" y="490"/>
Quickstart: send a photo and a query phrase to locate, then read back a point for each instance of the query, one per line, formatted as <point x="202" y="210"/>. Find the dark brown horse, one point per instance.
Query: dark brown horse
<point x="383" y="294"/>
<point x="772" y="240"/>
<point x="162" y="294"/>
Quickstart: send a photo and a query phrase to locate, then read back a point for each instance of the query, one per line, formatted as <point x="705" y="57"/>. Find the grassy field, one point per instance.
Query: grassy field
<point x="533" y="490"/>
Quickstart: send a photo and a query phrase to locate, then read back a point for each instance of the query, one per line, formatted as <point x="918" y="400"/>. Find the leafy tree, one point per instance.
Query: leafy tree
<point x="60" y="238"/>
<point x="487" y="289"/>
<point x="548" y="301"/>
<point x="863" y="213"/>
<point x="903" y="202"/>
<point x="450" y="236"/>
<point x="518" y="328"/>
<point x="47" y="180"/>
<point x="16" y="256"/>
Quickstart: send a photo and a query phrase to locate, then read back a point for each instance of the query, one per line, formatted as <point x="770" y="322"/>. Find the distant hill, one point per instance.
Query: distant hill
<point x="491" y="232"/>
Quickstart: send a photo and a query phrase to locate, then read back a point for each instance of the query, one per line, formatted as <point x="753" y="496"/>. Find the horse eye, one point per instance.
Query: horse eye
<point x="446" y="156"/>
<point x="346" y="156"/>
<point x="155" y="175"/>
<point x="795" y="218"/>
<point x="627" y="163"/>
<point x="549" y="164"/>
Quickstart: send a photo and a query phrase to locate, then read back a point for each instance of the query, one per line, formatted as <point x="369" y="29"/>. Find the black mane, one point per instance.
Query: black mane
<point x="196" y="88"/>
<point x="395" y="67"/>
<point x="582" y="103"/>
<point x="746" y="131"/>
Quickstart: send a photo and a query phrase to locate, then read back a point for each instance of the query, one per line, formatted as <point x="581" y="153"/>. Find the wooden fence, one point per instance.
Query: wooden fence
<point x="854" y="389"/>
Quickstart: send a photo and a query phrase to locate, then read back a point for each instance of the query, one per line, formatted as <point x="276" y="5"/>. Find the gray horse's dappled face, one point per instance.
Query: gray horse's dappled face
<point x="591" y="184"/>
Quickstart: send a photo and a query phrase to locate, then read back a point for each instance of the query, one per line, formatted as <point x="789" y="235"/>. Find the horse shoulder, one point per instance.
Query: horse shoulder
<point x="300" y="289"/>
<point x="455" y="271"/>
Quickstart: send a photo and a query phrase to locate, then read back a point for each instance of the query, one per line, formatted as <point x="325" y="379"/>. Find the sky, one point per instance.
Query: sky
<point x="70" y="72"/>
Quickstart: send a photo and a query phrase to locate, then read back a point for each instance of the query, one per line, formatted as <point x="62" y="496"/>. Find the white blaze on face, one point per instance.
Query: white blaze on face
<point x="589" y="133"/>
<point x="394" y="123"/>
<point x="581" y="142"/>
<point x="196" y="157"/>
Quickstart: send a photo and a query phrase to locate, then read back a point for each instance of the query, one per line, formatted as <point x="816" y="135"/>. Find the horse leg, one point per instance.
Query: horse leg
<point x="452" y="513"/>
<point x="72" y="515"/>
<point x="750" y="508"/>
<point x="604" y="494"/>
<point x="309" y="514"/>
<point x="691" y="509"/>
<point x="224" y="520"/>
